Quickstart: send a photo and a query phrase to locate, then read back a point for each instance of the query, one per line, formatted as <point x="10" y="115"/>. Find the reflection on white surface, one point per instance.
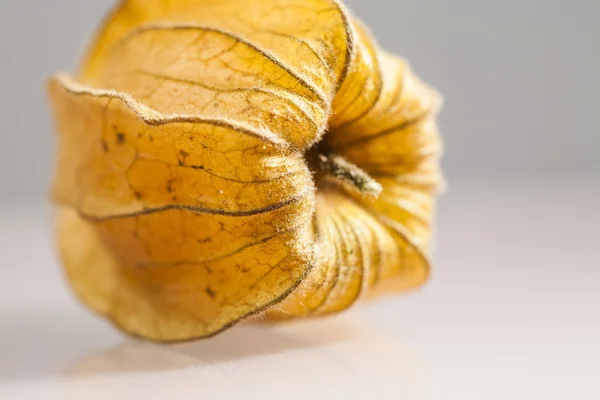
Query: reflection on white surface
<point x="511" y="313"/>
<point x="332" y="358"/>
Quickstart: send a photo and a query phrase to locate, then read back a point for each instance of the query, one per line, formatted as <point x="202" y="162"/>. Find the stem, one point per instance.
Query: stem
<point x="344" y="171"/>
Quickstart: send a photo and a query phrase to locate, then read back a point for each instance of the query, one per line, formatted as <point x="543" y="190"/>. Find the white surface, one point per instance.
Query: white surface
<point x="511" y="313"/>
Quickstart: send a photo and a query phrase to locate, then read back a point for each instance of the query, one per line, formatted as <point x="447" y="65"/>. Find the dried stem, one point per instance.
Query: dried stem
<point x="344" y="171"/>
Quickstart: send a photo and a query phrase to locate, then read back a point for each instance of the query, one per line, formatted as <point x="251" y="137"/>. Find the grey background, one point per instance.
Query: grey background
<point x="515" y="274"/>
<point x="520" y="78"/>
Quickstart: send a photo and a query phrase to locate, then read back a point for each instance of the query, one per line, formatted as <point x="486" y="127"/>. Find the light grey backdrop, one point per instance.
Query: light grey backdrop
<point x="520" y="78"/>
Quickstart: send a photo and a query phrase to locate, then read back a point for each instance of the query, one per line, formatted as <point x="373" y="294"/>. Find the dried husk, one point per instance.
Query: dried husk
<point x="188" y="196"/>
